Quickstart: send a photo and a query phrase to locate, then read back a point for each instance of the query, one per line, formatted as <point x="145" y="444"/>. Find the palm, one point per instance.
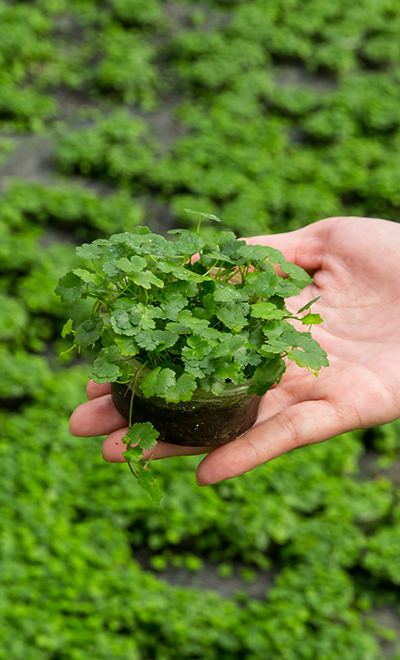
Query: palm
<point x="360" y="305"/>
<point x="356" y="268"/>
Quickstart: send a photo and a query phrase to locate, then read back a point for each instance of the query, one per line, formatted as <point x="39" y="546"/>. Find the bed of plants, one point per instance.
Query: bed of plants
<point x="270" y="114"/>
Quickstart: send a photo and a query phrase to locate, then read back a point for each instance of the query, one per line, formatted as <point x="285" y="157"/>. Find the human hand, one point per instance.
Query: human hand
<point x="355" y="263"/>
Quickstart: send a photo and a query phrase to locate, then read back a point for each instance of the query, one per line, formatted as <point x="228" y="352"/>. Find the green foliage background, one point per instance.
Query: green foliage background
<point x="271" y="114"/>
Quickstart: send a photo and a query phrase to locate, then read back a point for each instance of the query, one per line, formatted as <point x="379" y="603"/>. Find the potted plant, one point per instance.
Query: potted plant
<point x="191" y="332"/>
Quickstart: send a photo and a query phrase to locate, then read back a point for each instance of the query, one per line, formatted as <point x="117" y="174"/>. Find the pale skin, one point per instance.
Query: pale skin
<point x="355" y="263"/>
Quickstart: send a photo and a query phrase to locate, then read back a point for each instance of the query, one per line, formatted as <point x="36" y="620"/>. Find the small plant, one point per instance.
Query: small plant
<point x="197" y="314"/>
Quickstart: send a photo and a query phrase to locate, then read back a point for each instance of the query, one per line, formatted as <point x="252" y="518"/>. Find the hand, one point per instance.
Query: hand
<point x="355" y="263"/>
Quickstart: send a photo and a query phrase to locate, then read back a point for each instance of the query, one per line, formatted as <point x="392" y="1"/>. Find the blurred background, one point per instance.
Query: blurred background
<point x="271" y="114"/>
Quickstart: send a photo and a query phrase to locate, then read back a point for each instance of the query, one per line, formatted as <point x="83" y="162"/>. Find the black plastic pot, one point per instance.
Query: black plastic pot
<point x="204" y="420"/>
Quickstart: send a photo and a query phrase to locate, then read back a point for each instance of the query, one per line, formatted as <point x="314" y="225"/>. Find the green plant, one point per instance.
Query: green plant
<point x="198" y="313"/>
<point x="143" y="13"/>
<point x="127" y="67"/>
<point x="119" y="148"/>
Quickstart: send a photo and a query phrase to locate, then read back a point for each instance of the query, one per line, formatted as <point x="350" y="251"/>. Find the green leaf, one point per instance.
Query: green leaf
<point x="229" y="346"/>
<point x="171" y="308"/>
<point x="222" y="238"/>
<point x="196" y="348"/>
<point x="274" y="329"/>
<point x="314" y="357"/>
<point x="147" y="482"/>
<point x="127" y="346"/>
<point x="104" y="370"/>
<point x="196" y="355"/>
<point x="307" y="359"/>
<point x="209" y="305"/>
<point x="128" y="319"/>
<point x="67" y="328"/>
<point x="143" y="435"/>
<point x="210" y="256"/>
<point x="157" y="382"/>
<point x="179" y="272"/>
<point x="165" y="338"/>
<point x="89" y="331"/>
<point x="266" y="310"/>
<point x="121" y="322"/>
<point x="257" y="253"/>
<point x="209" y="216"/>
<point x="148" y="384"/>
<point x="234" y="316"/>
<point x="187" y="323"/>
<point x="182" y="390"/>
<point x="145" y="340"/>
<point x="187" y="289"/>
<point x="132" y="265"/>
<point x="267" y="374"/>
<point x="146" y="279"/>
<point x="303" y="309"/>
<point x="312" y="319"/>
<point x="264" y="284"/>
<point x="159" y="248"/>
<point x="132" y="239"/>
<point x="90" y="251"/>
<point x="111" y="270"/>
<point x="227" y="370"/>
<point x="273" y="346"/>
<point x="147" y="314"/>
<point x="86" y="275"/>
<point x="196" y="367"/>
<point x="70" y="287"/>
<point x="298" y="276"/>
<point x="286" y="288"/>
<point x="152" y="339"/>
<point x="229" y="293"/>
<point x="311" y="355"/>
<point x="217" y="385"/>
<point x="188" y="243"/>
<point x="108" y="336"/>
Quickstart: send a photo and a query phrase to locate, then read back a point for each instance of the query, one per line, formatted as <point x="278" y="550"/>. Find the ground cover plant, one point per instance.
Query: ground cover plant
<point x="270" y="115"/>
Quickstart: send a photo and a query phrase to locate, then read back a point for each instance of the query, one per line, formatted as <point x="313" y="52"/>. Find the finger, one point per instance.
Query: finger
<point x="96" y="417"/>
<point x="113" y="448"/>
<point x="302" y="424"/>
<point x="273" y="402"/>
<point x="93" y="390"/>
<point x="304" y="247"/>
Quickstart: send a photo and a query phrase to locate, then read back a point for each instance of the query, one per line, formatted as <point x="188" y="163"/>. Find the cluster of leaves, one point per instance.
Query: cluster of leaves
<point x="128" y="68"/>
<point x="228" y="65"/>
<point x="39" y="226"/>
<point x="66" y="531"/>
<point x="185" y="318"/>
<point x="24" y="44"/>
<point x="66" y="207"/>
<point x="289" y="152"/>
<point x="175" y="307"/>
<point x="118" y="148"/>
<point x="78" y="45"/>
<point x="238" y="161"/>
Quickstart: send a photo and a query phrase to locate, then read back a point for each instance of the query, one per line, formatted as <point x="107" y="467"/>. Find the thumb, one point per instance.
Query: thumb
<point x="305" y="247"/>
<point x="305" y="423"/>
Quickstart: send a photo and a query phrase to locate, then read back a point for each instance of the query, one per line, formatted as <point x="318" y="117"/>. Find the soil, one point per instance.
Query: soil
<point x="202" y="421"/>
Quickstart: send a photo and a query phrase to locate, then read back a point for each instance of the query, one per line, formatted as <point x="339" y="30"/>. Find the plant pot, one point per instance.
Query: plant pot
<point x="204" y="420"/>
